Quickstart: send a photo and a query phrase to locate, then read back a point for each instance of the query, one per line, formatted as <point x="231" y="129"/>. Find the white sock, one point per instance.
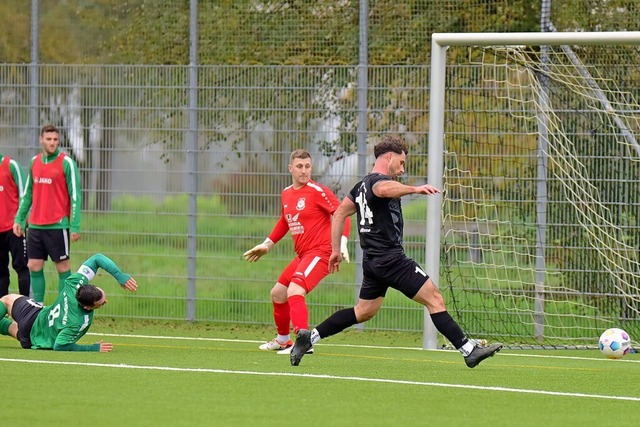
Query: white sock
<point x="467" y="348"/>
<point x="283" y="338"/>
<point x="315" y="336"/>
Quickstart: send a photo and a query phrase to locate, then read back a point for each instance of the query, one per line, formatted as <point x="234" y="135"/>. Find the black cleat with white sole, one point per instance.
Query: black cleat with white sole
<point x="480" y="353"/>
<point x="301" y="347"/>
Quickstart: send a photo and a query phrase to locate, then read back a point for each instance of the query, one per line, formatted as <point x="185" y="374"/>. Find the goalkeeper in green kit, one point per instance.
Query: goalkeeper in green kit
<point x="60" y="325"/>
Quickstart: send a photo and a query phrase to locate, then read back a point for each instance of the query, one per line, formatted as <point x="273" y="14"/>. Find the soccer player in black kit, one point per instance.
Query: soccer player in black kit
<point x="376" y="200"/>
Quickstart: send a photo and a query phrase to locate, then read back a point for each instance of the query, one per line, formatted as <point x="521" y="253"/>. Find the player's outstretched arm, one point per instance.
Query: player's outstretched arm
<point x="66" y="341"/>
<point x="76" y="347"/>
<point x="280" y="229"/>
<point x="426" y="189"/>
<point x="255" y="253"/>
<point x="105" y="347"/>
<point x="90" y="267"/>
<point x="102" y="347"/>
<point x="131" y="285"/>
<point x="394" y="189"/>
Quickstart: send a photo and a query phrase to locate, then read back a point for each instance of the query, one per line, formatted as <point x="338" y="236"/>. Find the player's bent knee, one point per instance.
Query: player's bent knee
<point x="364" y="316"/>
<point x="430" y="297"/>
<point x="365" y="313"/>
<point x="8" y="301"/>
<point x="297" y="287"/>
<point x="279" y="294"/>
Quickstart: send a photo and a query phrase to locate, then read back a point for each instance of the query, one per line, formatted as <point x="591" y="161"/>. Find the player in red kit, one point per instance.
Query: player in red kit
<point x="307" y="208"/>
<point x="11" y="191"/>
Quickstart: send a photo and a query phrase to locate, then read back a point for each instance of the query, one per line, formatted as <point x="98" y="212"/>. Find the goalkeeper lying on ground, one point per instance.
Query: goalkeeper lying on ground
<point x="60" y="325"/>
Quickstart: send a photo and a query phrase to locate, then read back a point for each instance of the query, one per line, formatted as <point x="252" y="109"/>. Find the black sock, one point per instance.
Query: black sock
<point x="337" y="322"/>
<point x="448" y="327"/>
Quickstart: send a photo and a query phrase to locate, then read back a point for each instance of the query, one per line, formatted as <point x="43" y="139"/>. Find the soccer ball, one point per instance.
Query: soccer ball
<point x="614" y="343"/>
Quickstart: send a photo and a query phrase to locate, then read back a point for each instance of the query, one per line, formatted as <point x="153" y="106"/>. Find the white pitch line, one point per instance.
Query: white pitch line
<point x="330" y="377"/>
<point x="503" y="353"/>
<point x="160" y="337"/>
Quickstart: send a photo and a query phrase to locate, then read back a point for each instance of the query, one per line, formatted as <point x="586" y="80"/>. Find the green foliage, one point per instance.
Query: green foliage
<point x="278" y="32"/>
<point x="15" y="35"/>
<point x="70" y="31"/>
<point x="610" y="15"/>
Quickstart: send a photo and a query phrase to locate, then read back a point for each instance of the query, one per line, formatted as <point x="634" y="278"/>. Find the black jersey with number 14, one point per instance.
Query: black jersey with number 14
<point x="380" y="222"/>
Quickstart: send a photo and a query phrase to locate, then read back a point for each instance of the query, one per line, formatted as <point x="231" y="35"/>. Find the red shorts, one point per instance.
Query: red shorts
<point x="310" y="269"/>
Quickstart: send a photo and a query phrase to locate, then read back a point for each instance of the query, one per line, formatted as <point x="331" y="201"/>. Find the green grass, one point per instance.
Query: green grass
<point x="207" y="374"/>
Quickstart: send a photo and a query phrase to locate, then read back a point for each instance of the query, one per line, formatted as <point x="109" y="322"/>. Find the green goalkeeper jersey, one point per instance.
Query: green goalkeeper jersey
<point x="60" y="325"/>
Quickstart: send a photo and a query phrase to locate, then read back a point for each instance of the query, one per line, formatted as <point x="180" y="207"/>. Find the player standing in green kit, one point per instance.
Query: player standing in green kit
<point x="60" y="325"/>
<point x="53" y="194"/>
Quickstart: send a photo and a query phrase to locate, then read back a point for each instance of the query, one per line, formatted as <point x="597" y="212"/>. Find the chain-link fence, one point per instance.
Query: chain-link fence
<point x="177" y="204"/>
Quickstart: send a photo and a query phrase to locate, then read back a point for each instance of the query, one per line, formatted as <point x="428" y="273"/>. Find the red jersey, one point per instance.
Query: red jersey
<point x="306" y="213"/>
<point x="50" y="196"/>
<point x="9" y="194"/>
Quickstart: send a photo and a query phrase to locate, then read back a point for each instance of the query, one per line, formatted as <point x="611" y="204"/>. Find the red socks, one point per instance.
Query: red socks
<point x="294" y="311"/>
<point x="299" y="312"/>
<point x="281" y="317"/>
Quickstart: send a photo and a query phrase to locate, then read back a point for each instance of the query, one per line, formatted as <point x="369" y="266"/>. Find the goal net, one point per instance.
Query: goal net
<point x="534" y="142"/>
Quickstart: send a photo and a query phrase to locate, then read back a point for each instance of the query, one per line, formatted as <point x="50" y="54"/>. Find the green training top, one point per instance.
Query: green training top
<point x="60" y="325"/>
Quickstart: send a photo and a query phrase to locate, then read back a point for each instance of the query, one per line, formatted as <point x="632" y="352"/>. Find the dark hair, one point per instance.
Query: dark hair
<point x="390" y="143"/>
<point x="48" y="128"/>
<point x="88" y="295"/>
<point x="300" y="153"/>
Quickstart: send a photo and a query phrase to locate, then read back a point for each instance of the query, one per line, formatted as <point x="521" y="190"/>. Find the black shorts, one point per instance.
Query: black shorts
<point x="396" y="271"/>
<point x="52" y="243"/>
<point x="24" y="313"/>
<point x="17" y="247"/>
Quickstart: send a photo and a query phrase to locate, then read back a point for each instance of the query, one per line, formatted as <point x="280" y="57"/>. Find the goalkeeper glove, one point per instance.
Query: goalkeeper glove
<point x="344" y="251"/>
<point x="254" y="254"/>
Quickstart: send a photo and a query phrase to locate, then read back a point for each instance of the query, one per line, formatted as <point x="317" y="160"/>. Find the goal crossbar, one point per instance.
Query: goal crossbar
<point x="443" y="40"/>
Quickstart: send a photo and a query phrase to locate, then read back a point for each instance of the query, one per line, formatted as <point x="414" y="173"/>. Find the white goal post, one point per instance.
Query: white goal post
<point x="532" y="134"/>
